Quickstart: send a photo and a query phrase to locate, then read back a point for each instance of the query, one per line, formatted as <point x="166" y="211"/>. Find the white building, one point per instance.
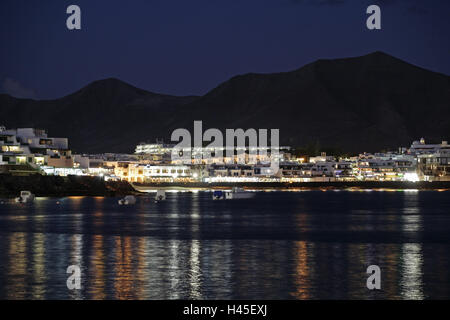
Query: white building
<point x="434" y="166"/>
<point x="13" y="152"/>
<point x="322" y="158"/>
<point x="137" y="172"/>
<point x="34" y="147"/>
<point x="420" y="147"/>
<point x="160" y="152"/>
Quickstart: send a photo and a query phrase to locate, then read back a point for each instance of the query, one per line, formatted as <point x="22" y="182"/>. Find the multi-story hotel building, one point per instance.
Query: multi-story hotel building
<point x="34" y="147"/>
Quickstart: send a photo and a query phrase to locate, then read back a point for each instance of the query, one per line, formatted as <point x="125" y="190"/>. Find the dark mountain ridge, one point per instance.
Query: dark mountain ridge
<point x="105" y="116"/>
<point x="367" y="103"/>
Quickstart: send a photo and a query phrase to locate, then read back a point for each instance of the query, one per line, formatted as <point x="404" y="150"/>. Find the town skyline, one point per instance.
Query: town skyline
<point x="31" y="151"/>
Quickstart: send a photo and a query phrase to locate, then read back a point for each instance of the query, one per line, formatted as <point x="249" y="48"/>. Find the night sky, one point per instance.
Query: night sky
<point x="186" y="47"/>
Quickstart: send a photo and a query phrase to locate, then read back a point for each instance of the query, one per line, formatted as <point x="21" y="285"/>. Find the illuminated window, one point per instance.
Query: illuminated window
<point x="21" y="160"/>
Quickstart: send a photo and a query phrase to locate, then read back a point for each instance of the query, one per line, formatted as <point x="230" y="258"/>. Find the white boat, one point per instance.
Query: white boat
<point x="160" y="195"/>
<point x="25" y="197"/>
<point x="235" y="193"/>
<point x="128" y="200"/>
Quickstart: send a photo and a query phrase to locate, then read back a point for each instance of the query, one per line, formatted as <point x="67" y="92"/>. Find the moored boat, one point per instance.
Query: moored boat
<point x="127" y="200"/>
<point x="235" y="193"/>
<point x="25" y="197"/>
<point x="160" y="195"/>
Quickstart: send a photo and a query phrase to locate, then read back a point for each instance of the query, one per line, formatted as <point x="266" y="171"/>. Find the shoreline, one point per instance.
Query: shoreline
<point x="284" y="186"/>
<point x="56" y="186"/>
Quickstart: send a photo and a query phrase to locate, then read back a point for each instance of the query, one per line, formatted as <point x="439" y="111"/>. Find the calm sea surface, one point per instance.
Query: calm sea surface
<point x="278" y="245"/>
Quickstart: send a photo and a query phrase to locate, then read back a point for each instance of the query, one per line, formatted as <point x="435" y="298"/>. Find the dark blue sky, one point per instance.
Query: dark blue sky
<point x="188" y="47"/>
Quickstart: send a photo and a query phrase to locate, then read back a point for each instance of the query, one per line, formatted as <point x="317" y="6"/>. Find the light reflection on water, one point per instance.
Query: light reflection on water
<point x="307" y="245"/>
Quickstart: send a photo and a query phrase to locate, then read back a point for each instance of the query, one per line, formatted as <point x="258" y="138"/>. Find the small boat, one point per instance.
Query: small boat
<point x="160" y="195"/>
<point x="128" y="200"/>
<point x="239" y="193"/>
<point x="25" y="197"/>
<point x="235" y="193"/>
<point x="218" y="195"/>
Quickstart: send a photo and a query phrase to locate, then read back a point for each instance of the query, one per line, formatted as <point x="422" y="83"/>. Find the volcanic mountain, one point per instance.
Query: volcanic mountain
<point x="368" y="103"/>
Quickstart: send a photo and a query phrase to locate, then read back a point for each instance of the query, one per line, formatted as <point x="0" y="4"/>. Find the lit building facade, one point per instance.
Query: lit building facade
<point x="143" y="173"/>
